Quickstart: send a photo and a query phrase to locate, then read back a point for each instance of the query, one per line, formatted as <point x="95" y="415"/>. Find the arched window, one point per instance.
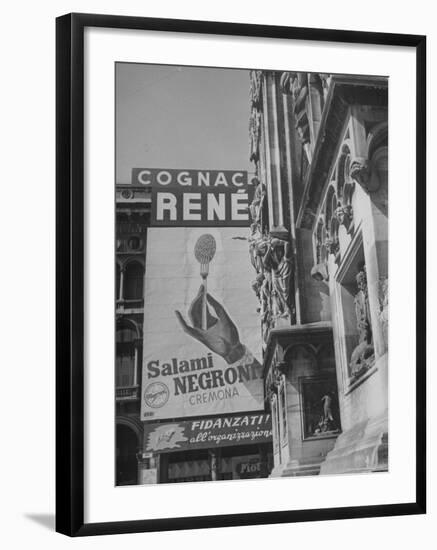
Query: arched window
<point x="126" y="356"/>
<point x="133" y="281"/>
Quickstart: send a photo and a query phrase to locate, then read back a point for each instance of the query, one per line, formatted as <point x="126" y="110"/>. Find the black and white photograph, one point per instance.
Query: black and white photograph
<point x="216" y="287"/>
<point x="251" y="260"/>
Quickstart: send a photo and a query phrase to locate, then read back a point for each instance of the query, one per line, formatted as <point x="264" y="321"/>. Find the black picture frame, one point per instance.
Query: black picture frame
<point x="70" y="273"/>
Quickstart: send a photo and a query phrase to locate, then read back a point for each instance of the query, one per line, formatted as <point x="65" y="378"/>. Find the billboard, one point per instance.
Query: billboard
<point x="197" y="198"/>
<point x="207" y="433"/>
<point x="202" y="345"/>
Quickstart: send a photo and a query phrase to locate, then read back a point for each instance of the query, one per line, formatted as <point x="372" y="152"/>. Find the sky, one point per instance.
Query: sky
<point x="181" y="117"/>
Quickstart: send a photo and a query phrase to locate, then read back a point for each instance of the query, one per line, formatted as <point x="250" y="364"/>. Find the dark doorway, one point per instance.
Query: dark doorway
<point x="126" y="464"/>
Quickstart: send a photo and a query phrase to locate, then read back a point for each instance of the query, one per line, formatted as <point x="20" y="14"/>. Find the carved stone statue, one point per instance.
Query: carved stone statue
<point x="327" y="423"/>
<point x="254" y="134"/>
<point x="258" y="247"/>
<point x="256" y="206"/>
<point x="359" y="171"/>
<point x="280" y="261"/>
<point x="363" y="355"/>
<point x="296" y="85"/>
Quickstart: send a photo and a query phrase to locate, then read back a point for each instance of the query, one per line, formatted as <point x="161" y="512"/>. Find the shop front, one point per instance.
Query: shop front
<point x="210" y="449"/>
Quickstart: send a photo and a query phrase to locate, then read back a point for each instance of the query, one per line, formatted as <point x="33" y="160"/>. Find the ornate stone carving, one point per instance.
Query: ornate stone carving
<point x="363" y="356"/>
<point x="269" y="395"/>
<point x="255" y="87"/>
<point x="296" y="85"/>
<point x="279" y="261"/>
<point x="383" y="305"/>
<point x="344" y="215"/>
<point x="320" y="272"/>
<point x="258" y="246"/>
<point x="332" y="245"/>
<point x="327" y="423"/>
<point x="272" y="261"/>
<point x="257" y="202"/>
<point x="282" y="367"/>
<point x="286" y="82"/>
<point x="326" y="80"/>
<point x="359" y="171"/>
<point x="254" y="134"/>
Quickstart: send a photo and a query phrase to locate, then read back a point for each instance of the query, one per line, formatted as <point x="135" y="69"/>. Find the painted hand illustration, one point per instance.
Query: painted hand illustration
<point x="221" y="335"/>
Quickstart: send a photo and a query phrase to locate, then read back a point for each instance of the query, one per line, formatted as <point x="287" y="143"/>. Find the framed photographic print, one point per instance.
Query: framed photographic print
<point x="240" y="274"/>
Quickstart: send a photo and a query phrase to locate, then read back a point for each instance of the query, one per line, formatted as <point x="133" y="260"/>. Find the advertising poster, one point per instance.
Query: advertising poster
<point x="201" y="345"/>
<point x="202" y="342"/>
<point x="207" y="433"/>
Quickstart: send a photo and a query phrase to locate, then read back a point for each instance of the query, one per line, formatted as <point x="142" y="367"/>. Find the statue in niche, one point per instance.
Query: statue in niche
<point x="327" y="424"/>
<point x="279" y="261"/>
<point x="363" y="356"/>
<point x="321" y="411"/>
<point x="256" y="206"/>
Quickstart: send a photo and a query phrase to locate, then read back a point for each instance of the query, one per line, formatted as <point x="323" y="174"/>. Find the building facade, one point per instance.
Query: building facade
<point x="132" y="220"/>
<point x="319" y="247"/>
<point x="226" y="446"/>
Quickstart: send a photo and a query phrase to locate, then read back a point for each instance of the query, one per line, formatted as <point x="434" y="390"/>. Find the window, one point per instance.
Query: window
<point x="134" y="243"/>
<point x="133" y="281"/>
<point x="126" y="356"/>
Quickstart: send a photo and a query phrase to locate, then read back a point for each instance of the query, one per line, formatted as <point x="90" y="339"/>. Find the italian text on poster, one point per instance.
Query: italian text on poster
<point x="207" y="433"/>
<point x="201" y="332"/>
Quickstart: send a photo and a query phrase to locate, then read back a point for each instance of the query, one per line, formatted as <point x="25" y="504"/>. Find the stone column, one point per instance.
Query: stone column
<point x="121" y="289"/>
<point x="277" y="205"/>
<point x="136" y="364"/>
